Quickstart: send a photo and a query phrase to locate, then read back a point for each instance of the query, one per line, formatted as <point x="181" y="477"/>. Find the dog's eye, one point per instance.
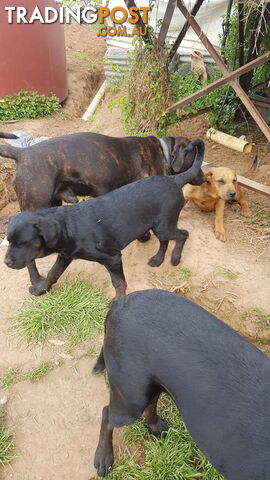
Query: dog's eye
<point x="234" y="181"/>
<point x="221" y="182"/>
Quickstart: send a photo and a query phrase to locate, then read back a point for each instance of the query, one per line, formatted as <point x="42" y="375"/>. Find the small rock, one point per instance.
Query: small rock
<point x="4" y="243"/>
<point x="3" y="400"/>
<point x="57" y="342"/>
<point x="65" y="355"/>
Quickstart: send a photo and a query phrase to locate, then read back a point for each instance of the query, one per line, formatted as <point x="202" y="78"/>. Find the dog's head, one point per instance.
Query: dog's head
<point x="180" y="160"/>
<point x="223" y="182"/>
<point x="30" y="235"/>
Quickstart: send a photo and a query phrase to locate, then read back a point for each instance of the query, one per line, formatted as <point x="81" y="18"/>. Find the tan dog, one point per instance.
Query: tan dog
<point x="221" y="186"/>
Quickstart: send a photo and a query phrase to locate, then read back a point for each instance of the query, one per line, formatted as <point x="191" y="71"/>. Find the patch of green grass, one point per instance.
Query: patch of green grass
<point x="81" y="55"/>
<point x="226" y="273"/>
<point x="174" y="273"/>
<point x="256" y="315"/>
<point x="27" y="105"/>
<point x="260" y="214"/>
<point x="6" y="440"/>
<point x="186" y="272"/>
<point x="10" y="377"/>
<point x="36" y="373"/>
<point x="89" y="353"/>
<point x="174" y="456"/>
<point x="75" y="310"/>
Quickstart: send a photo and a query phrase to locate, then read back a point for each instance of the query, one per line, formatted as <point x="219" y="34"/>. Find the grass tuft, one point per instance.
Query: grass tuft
<point x="75" y="310"/>
<point x="6" y="440"/>
<point x="174" y="456"/>
<point x="36" y="373"/>
<point x="10" y="377"/>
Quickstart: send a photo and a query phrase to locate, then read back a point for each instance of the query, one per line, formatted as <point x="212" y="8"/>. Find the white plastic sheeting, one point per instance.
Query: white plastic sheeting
<point x="209" y="18"/>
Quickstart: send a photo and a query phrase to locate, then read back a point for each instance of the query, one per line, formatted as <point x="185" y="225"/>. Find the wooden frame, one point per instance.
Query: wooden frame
<point x="226" y="78"/>
<point x="222" y="66"/>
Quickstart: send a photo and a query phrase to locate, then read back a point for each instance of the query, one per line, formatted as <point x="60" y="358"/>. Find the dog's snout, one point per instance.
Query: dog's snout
<point x="232" y="194"/>
<point x="7" y="261"/>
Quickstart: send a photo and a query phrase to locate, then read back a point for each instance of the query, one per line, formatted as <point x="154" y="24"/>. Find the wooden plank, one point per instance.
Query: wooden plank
<point x="184" y="30"/>
<point x="257" y="187"/>
<point x="247" y="183"/>
<point x="260" y="103"/>
<point x="222" y="66"/>
<point x="166" y="22"/>
<point x="226" y="78"/>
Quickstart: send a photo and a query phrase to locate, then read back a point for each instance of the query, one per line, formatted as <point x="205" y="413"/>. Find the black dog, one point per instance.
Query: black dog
<point x="90" y="164"/>
<point x="99" y="229"/>
<point x="157" y="341"/>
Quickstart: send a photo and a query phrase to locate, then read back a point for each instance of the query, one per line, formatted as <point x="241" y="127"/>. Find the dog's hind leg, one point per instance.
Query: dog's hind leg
<point x="158" y="259"/>
<point x="166" y="232"/>
<point x="44" y="285"/>
<point x="104" y="453"/>
<point x="115" y="268"/>
<point x="155" y="424"/>
<point x="181" y="237"/>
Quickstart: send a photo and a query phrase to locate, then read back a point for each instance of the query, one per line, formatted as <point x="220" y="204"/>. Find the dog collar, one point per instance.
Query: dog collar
<point x="166" y="152"/>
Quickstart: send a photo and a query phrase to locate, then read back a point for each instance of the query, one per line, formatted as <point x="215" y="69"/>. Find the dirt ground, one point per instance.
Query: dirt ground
<point x="56" y="421"/>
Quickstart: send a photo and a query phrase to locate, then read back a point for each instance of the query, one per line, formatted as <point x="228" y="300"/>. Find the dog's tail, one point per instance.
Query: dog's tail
<point x="186" y="177"/>
<point x="11" y="136"/>
<point x="8" y="151"/>
<point x="100" y="364"/>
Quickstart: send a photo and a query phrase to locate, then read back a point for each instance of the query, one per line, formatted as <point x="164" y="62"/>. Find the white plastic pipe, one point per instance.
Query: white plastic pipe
<point x="93" y="105"/>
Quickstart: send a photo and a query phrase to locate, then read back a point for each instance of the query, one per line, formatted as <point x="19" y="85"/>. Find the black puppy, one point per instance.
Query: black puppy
<point x="99" y="229"/>
<point x="88" y="163"/>
<point x="157" y="341"/>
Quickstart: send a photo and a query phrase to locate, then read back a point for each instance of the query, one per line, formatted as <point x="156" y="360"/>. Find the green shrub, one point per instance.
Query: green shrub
<point x="148" y="92"/>
<point x="27" y="105"/>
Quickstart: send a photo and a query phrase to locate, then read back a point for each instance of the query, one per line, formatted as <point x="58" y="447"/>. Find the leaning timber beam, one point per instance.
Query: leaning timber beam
<point x="166" y="22"/>
<point x="222" y="66"/>
<point x="184" y="30"/>
<point x="227" y="77"/>
<point x="146" y="38"/>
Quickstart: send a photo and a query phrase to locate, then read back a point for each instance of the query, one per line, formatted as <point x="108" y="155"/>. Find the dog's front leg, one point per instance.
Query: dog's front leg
<point x="245" y="211"/>
<point x="219" y="220"/>
<point x="34" y="275"/>
<point x="104" y="452"/>
<point x="115" y="268"/>
<point x="44" y="284"/>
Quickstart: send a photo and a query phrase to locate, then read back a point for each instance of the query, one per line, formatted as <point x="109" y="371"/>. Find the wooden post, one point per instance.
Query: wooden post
<point x="184" y="30"/>
<point x="166" y="22"/>
<point x="220" y="63"/>
<point x="131" y="3"/>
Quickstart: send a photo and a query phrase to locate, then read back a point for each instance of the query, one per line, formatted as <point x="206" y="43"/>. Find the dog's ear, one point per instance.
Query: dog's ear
<point x="178" y="158"/>
<point x="208" y="175"/>
<point x="48" y="230"/>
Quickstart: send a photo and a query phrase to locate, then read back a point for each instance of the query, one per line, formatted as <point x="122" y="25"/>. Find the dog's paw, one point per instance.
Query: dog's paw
<point x="220" y="235"/>
<point x="145" y="237"/>
<point x="245" y="212"/>
<point x="156" y="261"/>
<point x="175" y="259"/>
<point x="158" y="428"/>
<point x="38" y="288"/>
<point x="103" y="461"/>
